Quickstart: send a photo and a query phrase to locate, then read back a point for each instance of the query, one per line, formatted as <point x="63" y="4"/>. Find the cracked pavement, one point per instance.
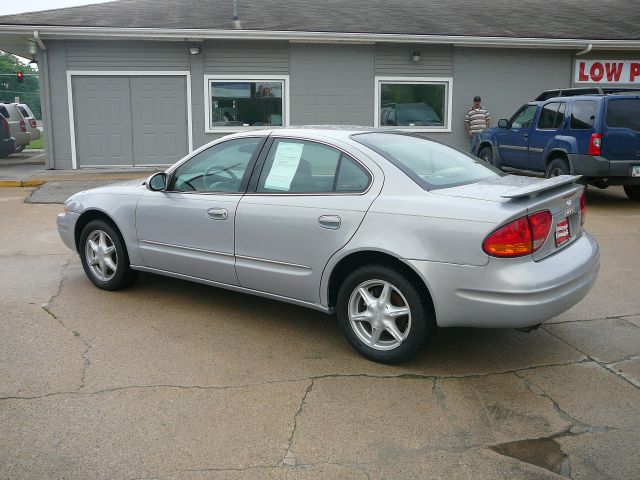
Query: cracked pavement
<point x="174" y="380"/>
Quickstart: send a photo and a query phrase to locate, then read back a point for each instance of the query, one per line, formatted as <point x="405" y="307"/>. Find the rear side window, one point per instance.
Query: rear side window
<point x="301" y="166"/>
<point x="559" y="116"/>
<point x="548" y="116"/>
<point x="430" y="164"/>
<point x="624" y="113"/>
<point x="583" y="114"/>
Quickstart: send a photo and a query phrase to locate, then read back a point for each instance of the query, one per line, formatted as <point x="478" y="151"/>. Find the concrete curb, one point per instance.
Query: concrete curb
<point x="21" y="183"/>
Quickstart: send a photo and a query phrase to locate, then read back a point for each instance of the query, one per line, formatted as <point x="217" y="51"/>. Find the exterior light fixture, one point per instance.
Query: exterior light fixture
<point x="415" y="56"/>
<point x="236" y="20"/>
<point x="194" y="49"/>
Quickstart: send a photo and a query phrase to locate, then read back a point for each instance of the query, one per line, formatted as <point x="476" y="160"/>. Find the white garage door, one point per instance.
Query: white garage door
<point x="129" y="120"/>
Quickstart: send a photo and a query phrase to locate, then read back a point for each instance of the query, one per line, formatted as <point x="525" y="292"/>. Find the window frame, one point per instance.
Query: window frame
<point x="208" y="79"/>
<point x="448" y="110"/>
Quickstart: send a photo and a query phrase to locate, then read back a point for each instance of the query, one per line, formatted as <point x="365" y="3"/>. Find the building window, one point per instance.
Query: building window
<point x="422" y="104"/>
<point x="238" y="103"/>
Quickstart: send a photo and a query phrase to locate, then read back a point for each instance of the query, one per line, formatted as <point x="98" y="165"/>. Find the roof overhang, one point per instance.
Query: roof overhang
<point x="20" y="38"/>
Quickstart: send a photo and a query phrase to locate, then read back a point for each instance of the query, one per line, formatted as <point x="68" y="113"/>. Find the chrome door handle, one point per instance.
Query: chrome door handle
<point x="329" y="221"/>
<point x="217" y="213"/>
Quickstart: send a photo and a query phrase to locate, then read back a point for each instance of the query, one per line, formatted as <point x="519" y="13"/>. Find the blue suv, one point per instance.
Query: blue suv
<point x="597" y="136"/>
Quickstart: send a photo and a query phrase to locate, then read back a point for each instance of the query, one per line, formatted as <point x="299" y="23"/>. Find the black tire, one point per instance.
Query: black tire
<point x="633" y="192"/>
<point x="111" y="279"/>
<point x="415" y="327"/>
<point x="19" y="148"/>
<point x="486" y="154"/>
<point x="558" y="166"/>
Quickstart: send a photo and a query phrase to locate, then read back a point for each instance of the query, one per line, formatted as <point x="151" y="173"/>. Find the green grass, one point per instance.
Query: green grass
<point x="37" y="144"/>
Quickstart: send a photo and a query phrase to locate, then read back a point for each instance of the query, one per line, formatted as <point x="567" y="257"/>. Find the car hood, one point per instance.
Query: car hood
<point x="502" y="189"/>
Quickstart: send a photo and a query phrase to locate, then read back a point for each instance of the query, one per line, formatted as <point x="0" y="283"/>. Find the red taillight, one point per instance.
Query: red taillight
<point x="23" y="126"/>
<point x="583" y="208"/>
<point x="540" y="226"/>
<point x="521" y="237"/>
<point x="33" y="122"/>
<point x="595" y="144"/>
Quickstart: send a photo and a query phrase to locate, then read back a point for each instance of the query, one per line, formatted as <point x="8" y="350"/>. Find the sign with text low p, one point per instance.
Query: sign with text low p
<point x="616" y="72"/>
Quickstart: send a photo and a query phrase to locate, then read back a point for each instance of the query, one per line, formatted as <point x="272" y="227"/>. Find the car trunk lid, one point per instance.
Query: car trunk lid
<point x="559" y="195"/>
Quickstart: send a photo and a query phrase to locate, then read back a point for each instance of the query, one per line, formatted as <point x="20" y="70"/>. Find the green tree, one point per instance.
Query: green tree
<point x="28" y="90"/>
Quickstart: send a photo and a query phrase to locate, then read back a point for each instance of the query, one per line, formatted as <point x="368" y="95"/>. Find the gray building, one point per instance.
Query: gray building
<point x="143" y="82"/>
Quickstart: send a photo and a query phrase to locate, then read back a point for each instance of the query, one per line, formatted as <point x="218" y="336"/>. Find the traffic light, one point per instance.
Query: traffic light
<point x="20" y="76"/>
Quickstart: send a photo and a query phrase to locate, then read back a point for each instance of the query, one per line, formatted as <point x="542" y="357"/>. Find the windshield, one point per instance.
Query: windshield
<point x="430" y="164"/>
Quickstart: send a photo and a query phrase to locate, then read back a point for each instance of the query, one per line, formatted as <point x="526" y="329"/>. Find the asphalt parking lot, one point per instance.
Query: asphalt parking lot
<point x="169" y="379"/>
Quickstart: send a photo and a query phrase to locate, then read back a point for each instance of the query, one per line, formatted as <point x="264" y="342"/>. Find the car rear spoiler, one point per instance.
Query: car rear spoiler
<point x="534" y="190"/>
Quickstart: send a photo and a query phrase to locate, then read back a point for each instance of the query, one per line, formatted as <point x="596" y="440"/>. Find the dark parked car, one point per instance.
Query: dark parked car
<point x="597" y="136"/>
<point x="408" y="114"/>
<point x="7" y="142"/>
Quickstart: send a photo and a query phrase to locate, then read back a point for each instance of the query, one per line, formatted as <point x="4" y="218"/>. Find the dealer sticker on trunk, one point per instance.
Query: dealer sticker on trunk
<point x="562" y="232"/>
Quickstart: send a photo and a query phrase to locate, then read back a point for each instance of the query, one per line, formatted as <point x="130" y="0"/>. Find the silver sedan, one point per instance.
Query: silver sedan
<point x="393" y="232"/>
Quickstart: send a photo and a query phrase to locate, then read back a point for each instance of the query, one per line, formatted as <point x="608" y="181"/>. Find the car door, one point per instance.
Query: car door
<point x="308" y="201"/>
<point x="188" y="229"/>
<point x="513" y="142"/>
<point x="551" y="119"/>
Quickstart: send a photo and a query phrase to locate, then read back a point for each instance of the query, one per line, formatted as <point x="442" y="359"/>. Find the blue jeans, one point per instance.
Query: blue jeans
<point x="474" y="140"/>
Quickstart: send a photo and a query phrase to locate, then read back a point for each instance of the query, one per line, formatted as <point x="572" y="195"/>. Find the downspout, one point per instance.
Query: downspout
<point x="585" y="51"/>
<point x="45" y="99"/>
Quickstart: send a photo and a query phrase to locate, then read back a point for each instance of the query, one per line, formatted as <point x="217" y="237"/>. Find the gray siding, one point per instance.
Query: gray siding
<point x="59" y="128"/>
<point x="395" y="60"/>
<point x="246" y="57"/>
<point x="332" y="84"/>
<point x="231" y="58"/>
<point x="127" y="55"/>
<point x="505" y="79"/>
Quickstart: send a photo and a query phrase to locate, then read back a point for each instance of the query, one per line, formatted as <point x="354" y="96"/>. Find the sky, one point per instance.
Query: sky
<point x="9" y="8"/>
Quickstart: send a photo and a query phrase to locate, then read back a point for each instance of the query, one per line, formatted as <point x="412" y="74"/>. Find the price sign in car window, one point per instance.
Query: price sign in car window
<point x="285" y="165"/>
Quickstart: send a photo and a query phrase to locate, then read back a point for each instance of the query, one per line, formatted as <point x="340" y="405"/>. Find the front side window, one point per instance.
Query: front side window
<point x="430" y="164"/>
<point x="419" y="104"/>
<point x="583" y="114"/>
<point x="220" y="168"/>
<point x="238" y="103"/>
<point x="299" y="166"/>
<point x="524" y="117"/>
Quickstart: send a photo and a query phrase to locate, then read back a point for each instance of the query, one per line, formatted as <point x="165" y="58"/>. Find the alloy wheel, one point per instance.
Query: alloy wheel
<point x="379" y="315"/>
<point x="101" y="255"/>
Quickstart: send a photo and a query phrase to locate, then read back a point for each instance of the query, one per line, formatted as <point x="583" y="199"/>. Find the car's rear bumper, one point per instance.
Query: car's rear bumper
<point x="22" y="138"/>
<point x="600" y="167"/>
<point x="511" y="293"/>
<point x="35" y="134"/>
<point x="66" y="228"/>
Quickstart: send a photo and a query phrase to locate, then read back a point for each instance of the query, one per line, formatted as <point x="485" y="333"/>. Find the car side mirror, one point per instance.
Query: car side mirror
<point x="503" y="123"/>
<point x="157" y="182"/>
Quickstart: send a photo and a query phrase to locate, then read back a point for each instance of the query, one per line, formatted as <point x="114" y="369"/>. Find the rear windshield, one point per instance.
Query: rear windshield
<point x="430" y="164"/>
<point x="4" y="112"/>
<point x="23" y="111"/>
<point x="624" y="113"/>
